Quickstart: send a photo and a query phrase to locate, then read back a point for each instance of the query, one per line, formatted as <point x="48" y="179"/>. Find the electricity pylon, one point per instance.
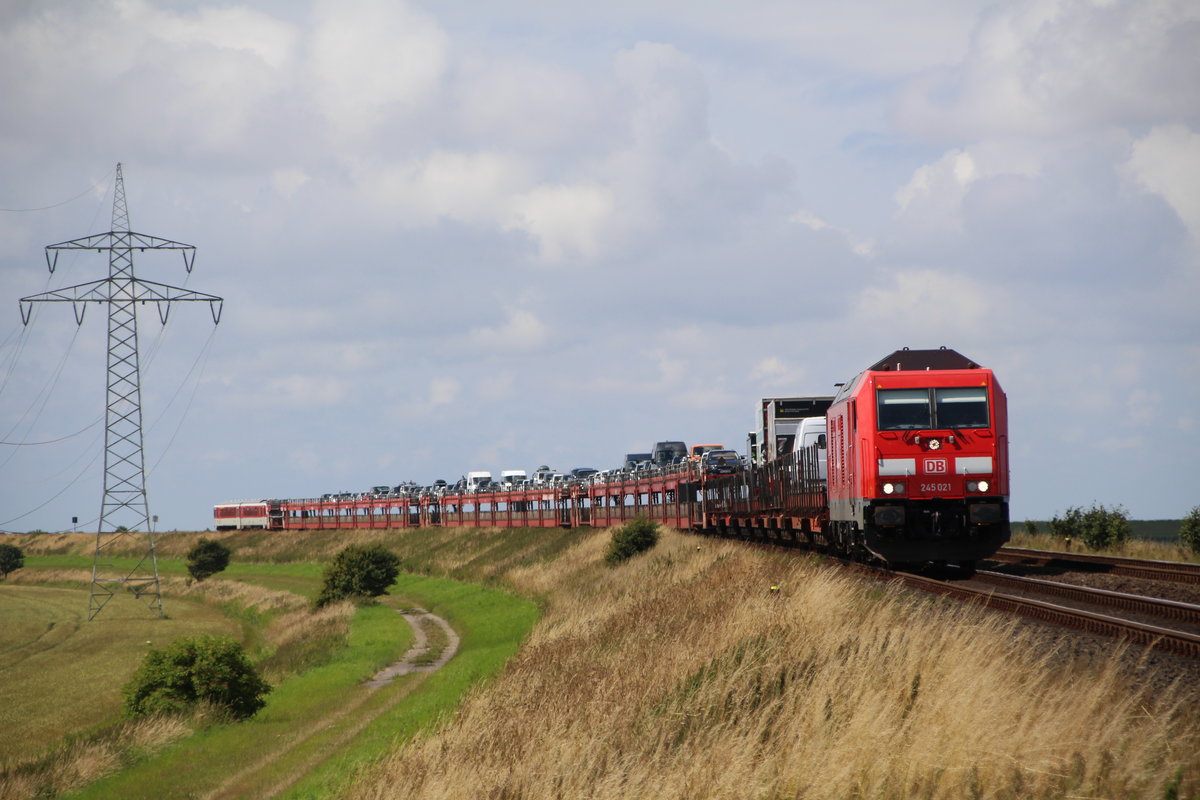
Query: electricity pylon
<point x="124" y="511"/>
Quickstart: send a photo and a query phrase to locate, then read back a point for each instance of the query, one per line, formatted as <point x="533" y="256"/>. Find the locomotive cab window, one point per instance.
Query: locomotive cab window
<point x="932" y="409"/>
<point x="904" y="409"/>
<point x="962" y="407"/>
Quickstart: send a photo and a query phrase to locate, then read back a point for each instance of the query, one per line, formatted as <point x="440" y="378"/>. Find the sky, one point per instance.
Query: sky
<point x="455" y="236"/>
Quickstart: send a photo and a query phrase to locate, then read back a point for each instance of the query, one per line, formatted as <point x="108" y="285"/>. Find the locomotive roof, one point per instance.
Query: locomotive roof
<point x="909" y="360"/>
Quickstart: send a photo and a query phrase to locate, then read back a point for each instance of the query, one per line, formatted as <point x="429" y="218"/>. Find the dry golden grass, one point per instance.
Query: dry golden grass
<point x="244" y="595"/>
<point x="1130" y="548"/>
<point x="36" y="577"/>
<point x="77" y="763"/>
<point x="680" y="674"/>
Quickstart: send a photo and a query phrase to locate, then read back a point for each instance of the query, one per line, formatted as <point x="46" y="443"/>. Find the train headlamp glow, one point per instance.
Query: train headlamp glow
<point x="983" y="486"/>
<point x="977" y="486"/>
<point x="893" y="488"/>
<point x="934" y="444"/>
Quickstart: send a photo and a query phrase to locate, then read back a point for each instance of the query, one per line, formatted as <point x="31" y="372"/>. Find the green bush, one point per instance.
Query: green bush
<point x="194" y="670"/>
<point x="1189" y="530"/>
<point x="1098" y="527"/>
<point x="359" y="571"/>
<point x="207" y="558"/>
<point x="11" y="559"/>
<point x="636" y="536"/>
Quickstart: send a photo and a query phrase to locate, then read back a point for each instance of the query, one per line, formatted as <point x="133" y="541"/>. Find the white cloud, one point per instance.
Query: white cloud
<point x="370" y="58"/>
<point x="566" y="221"/>
<point x="773" y="371"/>
<point x="308" y="390"/>
<point x="924" y="305"/>
<point x="1166" y="161"/>
<point x="1041" y="67"/>
<point x="533" y="107"/>
<point x="468" y="187"/>
<point x="671" y="95"/>
<point x="230" y="28"/>
<point x="859" y="246"/>
<point x="288" y="181"/>
<point x="932" y="199"/>
<point x="443" y="391"/>
<point x="522" y="331"/>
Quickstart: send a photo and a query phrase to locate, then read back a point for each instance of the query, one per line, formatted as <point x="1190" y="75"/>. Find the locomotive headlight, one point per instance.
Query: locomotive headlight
<point x="888" y="488"/>
<point x="893" y="488"/>
<point x="983" y="486"/>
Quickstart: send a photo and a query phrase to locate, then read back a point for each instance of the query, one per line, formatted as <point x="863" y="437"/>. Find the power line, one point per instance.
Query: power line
<point x="82" y="430"/>
<point x="86" y="191"/>
<point x="204" y="353"/>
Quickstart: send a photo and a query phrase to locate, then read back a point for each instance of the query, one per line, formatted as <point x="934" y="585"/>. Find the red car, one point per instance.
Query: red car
<point x="918" y="460"/>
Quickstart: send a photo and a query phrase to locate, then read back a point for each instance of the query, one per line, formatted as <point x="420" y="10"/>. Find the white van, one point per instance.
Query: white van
<point x="477" y="480"/>
<point x="513" y="478"/>
<point x="811" y="432"/>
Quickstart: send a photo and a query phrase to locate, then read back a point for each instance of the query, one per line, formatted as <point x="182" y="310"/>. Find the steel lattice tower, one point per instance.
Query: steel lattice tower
<point x="124" y="511"/>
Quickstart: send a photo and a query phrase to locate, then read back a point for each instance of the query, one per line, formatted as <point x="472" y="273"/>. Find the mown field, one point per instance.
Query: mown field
<point x="682" y="674"/>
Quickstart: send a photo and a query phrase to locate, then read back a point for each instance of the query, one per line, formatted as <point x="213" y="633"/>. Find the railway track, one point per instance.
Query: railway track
<point x="1142" y="633"/>
<point x="1180" y="642"/>
<point x="1173" y="571"/>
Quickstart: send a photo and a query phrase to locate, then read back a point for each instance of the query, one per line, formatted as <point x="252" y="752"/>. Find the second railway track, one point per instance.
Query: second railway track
<point x="1173" y="571"/>
<point x="1180" y="642"/>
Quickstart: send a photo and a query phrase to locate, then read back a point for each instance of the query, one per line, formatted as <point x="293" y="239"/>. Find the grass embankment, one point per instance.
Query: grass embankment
<point x="60" y="673"/>
<point x="681" y="674"/>
<point x="319" y="726"/>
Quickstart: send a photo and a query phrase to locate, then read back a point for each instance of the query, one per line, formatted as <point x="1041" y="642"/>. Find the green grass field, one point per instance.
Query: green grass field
<point x="61" y="674"/>
<point x="61" y="678"/>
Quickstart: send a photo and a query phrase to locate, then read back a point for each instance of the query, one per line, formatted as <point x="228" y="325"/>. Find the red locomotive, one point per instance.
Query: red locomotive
<point x="918" y="460"/>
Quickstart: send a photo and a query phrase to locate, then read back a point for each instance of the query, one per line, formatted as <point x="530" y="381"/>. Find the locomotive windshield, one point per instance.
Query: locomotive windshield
<point x="962" y="407"/>
<point x="932" y="409"/>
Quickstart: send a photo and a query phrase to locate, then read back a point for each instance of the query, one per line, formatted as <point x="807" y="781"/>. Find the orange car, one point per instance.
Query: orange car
<point x="698" y="450"/>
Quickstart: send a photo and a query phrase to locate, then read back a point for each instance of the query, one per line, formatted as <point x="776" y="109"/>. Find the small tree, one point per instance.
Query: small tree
<point x="1069" y="525"/>
<point x="359" y="571"/>
<point x="636" y="536"/>
<point x="207" y="558"/>
<point x="1099" y="527"/>
<point x="11" y="559"/>
<point x="193" y="670"/>
<point x="1189" y="530"/>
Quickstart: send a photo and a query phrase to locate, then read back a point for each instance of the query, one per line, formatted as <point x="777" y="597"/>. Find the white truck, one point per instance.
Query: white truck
<point x="777" y="421"/>
<point x="513" y="478"/>
<point x="811" y="432"/>
<point x="478" y="479"/>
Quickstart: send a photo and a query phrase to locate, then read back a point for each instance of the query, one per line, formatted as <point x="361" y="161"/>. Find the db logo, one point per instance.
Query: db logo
<point x="936" y="466"/>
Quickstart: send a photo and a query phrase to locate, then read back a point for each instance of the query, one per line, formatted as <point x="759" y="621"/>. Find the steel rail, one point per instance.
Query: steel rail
<point x="1174" y="571"/>
<point x="1170" y="609"/>
<point x="1179" y="642"/>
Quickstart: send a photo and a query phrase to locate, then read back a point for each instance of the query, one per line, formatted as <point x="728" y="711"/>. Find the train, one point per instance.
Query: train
<point x="912" y="469"/>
